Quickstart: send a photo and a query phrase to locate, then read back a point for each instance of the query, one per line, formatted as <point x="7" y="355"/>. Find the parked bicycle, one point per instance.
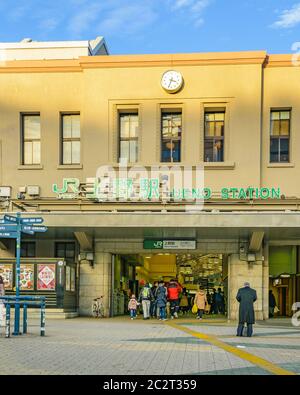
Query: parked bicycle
<point x="98" y="307"/>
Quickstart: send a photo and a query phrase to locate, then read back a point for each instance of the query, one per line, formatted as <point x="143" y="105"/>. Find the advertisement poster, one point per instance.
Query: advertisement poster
<point x="46" y="279"/>
<point x="27" y="277"/>
<point x="6" y="271"/>
<point x="68" y="278"/>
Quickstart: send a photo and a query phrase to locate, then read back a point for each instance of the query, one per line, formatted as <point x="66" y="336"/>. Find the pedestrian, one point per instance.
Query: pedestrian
<point x="200" y="301"/>
<point x="145" y="298"/>
<point x="219" y="301"/>
<point x="2" y="308"/>
<point x="153" y="306"/>
<point x="246" y="297"/>
<point x="174" y="289"/>
<point x="184" y="302"/>
<point x="214" y="309"/>
<point x="161" y="300"/>
<point x="272" y="304"/>
<point x="132" y="307"/>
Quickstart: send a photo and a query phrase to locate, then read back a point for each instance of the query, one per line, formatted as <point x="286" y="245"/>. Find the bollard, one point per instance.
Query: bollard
<point x="43" y="318"/>
<point x="7" y="321"/>
<point x="16" y="331"/>
<point x="24" y="318"/>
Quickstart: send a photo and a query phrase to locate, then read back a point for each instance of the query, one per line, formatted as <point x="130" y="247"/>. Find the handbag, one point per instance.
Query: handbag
<point x="195" y="309"/>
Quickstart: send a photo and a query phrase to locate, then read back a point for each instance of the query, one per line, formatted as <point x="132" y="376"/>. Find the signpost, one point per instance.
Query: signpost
<point x="12" y="228"/>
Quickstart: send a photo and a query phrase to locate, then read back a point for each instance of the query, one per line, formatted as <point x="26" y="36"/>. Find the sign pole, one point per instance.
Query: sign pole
<point x="18" y="271"/>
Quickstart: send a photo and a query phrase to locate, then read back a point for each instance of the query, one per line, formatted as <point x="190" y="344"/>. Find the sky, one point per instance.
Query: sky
<point x="157" y="26"/>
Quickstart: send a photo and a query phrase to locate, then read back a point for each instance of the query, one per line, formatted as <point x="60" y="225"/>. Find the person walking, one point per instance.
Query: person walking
<point x="153" y="306"/>
<point x="219" y="301"/>
<point x="200" y="301"/>
<point x="161" y="300"/>
<point x="213" y="308"/>
<point x="2" y="307"/>
<point x="246" y="297"/>
<point x="184" y="302"/>
<point x="145" y="299"/>
<point x="272" y="304"/>
<point x="174" y="289"/>
<point x="132" y="307"/>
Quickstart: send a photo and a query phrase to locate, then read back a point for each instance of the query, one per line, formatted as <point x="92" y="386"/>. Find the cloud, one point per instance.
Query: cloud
<point x="194" y="8"/>
<point x="288" y="18"/>
<point x="82" y="20"/>
<point x="128" y="19"/>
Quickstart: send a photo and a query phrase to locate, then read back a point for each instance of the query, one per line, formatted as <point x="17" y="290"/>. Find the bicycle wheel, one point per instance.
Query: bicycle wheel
<point x="101" y="312"/>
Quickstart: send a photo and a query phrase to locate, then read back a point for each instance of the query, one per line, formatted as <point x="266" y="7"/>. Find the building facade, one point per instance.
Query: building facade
<point x="234" y="116"/>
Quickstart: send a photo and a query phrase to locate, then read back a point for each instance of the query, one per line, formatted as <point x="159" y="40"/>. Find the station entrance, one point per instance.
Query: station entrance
<point x="191" y="270"/>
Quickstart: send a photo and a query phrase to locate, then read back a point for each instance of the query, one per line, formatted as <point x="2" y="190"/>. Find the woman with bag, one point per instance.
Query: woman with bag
<point x="200" y="301"/>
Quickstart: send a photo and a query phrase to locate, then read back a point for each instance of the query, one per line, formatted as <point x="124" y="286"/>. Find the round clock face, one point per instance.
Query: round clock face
<point x="172" y="81"/>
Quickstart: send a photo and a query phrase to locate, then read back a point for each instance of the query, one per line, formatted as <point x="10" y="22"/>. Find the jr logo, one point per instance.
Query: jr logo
<point x="70" y="185"/>
<point x="296" y="316"/>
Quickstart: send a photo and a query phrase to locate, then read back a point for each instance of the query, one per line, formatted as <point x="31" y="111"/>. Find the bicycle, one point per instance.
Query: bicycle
<point x="98" y="307"/>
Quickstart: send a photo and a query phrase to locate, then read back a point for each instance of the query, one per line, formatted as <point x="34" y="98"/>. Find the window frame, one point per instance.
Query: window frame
<point x="129" y="139"/>
<point x="65" y="249"/>
<point x="214" y="138"/>
<point x="171" y="111"/>
<point x="22" y="137"/>
<point x="279" y="137"/>
<point x="71" y="139"/>
<point x="26" y="243"/>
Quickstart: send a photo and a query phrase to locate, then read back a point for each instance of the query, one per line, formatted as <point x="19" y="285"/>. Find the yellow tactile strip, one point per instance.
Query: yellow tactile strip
<point x="262" y="363"/>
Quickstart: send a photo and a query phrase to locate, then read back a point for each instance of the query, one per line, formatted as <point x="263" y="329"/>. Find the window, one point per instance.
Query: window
<point x="171" y="132"/>
<point x="214" y="136"/>
<point x="27" y="249"/>
<point x="129" y="129"/>
<point x="280" y="136"/>
<point x="70" y="139"/>
<point x="31" y="139"/>
<point x="65" y="250"/>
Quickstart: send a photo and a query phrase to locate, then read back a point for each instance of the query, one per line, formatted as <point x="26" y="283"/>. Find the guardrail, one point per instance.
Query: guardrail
<point x="24" y="302"/>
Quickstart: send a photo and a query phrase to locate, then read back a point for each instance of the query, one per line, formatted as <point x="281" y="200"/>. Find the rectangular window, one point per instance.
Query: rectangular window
<point x="214" y="136"/>
<point x="280" y="136"/>
<point x="65" y="250"/>
<point x="70" y="139"/>
<point x="129" y="136"/>
<point x="27" y="249"/>
<point x="31" y="139"/>
<point x="171" y="134"/>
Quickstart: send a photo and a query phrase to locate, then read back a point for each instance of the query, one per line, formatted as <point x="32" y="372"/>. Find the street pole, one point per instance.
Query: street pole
<point x="18" y="271"/>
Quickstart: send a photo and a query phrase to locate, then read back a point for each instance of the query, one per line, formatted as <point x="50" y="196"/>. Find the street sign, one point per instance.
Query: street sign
<point x="169" y="244"/>
<point x="34" y="228"/>
<point x="27" y="231"/>
<point x="9" y="218"/>
<point x="8" y="228"/>
<point x="32" y="220"/>
<point x="8" y="235"/>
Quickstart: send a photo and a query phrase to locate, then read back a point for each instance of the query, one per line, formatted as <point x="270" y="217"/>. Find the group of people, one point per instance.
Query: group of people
<point x="162" y="298"/>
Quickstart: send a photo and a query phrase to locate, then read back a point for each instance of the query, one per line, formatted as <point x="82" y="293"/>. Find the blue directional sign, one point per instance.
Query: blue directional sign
<point x="9" y="218"/>
<point x="32" y="220"/>
<point x="8" y="228"/>
<point x="27" y="231"/>
<point x="8" y="235"/>
<point x="34" y="228"/>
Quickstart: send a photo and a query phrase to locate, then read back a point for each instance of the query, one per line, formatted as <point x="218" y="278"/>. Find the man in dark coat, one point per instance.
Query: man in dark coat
<point x="246" y="297"/>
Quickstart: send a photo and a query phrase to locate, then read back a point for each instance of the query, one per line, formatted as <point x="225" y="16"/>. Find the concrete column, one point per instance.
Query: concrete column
<point x="239" y="273"/>
<point x="94" y="282"/>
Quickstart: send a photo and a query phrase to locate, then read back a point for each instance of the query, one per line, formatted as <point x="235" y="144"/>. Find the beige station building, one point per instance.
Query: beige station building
<point x="69" y="108"/>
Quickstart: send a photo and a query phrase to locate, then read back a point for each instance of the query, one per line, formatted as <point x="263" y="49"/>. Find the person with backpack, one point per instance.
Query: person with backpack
<point x="161" y="300"/>
<point x="132" y="307"/>
<point x="145" y="300"/>
<point x="174" y="290"/>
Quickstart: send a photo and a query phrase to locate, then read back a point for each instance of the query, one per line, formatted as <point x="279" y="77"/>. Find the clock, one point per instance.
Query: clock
<point x="172" y="81"/>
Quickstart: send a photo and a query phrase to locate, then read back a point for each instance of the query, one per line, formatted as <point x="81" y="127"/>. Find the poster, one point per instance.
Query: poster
<point x="6" y="271"/>
<point x="73" y="276"/>
<point x="27" y="277"/>
<point x="68" y="278"/>
<point x="46" y="279"/>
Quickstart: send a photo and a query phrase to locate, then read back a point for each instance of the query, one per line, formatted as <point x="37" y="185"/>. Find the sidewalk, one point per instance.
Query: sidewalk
<point x="121" y="346"/>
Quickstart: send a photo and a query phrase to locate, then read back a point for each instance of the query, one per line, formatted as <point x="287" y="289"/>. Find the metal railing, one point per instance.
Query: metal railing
<point x="23" y="302"/>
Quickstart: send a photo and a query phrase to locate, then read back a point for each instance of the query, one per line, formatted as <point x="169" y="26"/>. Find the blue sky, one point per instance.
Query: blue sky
<point x="157" y="26"/>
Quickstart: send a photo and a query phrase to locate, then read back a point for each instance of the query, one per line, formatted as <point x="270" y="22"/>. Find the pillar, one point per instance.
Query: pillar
<point x="95" y="281"/>
<point x="256" y="273"/>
